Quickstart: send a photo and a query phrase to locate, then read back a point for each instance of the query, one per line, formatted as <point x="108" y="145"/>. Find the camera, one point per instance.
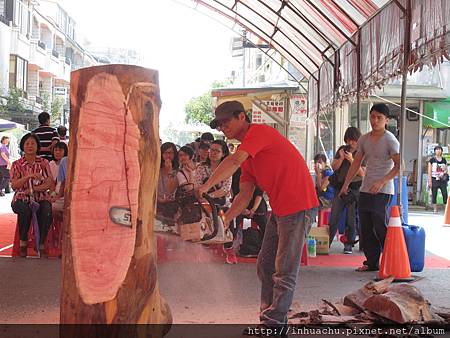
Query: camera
<point x="347" y="148"/>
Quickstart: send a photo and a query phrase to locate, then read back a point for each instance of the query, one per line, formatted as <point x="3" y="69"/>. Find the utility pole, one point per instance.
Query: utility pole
<point x="244" y="40"/>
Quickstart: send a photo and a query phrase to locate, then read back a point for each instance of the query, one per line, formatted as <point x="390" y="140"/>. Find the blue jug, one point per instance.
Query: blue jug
<point x="415" y="243"/>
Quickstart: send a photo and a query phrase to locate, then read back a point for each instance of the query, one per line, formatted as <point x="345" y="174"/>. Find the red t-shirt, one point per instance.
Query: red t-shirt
<point x="278" y="168"/>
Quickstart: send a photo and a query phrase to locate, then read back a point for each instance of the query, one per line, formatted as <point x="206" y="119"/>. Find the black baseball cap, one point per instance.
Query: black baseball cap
<point x="225" y="111"/>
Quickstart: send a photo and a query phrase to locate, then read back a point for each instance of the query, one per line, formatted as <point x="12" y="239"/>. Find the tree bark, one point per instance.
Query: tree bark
<point x="109" y="251"/>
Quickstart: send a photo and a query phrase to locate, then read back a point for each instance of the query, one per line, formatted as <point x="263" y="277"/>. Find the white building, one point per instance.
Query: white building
<point x="111" y="55"/>
<point x="38" y="50"/>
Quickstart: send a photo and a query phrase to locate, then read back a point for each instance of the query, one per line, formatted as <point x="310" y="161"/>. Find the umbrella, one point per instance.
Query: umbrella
<point x="34" y="221"/>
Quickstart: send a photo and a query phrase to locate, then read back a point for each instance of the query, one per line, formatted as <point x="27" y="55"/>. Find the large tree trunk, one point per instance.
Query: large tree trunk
<point x="109" y="251"/>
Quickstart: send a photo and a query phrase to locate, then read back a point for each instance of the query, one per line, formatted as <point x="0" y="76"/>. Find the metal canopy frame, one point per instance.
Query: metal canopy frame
<point x="305" y="32"/>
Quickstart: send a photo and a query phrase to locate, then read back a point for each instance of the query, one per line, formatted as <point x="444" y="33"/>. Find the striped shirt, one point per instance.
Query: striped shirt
<point x="22" y="168"/>
<point x="46" y="135"/>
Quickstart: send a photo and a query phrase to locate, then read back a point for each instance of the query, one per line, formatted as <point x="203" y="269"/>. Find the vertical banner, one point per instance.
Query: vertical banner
<point x="298" y="110"/>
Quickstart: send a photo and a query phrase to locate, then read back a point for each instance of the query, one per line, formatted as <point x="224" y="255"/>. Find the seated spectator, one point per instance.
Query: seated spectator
<point x="167" y="183"/>
<point x="58" y="197"/>
<point x="207" y="138"/>
<point x="217" y="153"/>
<point x="203" y="152"/>
<point x="221" y="192"/>
<point x="187" y="170"/>
<point x="58" y="152"/>
<point x="325" y="192"/>
<point x="31" y="178"/>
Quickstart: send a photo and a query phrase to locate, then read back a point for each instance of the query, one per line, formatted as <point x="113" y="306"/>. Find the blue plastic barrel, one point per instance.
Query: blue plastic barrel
<point x="404" y="198"/>
<point x="415" y="243"/>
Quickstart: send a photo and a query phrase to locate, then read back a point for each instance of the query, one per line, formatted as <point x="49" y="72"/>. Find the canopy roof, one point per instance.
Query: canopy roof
<point x="305" y="32"/>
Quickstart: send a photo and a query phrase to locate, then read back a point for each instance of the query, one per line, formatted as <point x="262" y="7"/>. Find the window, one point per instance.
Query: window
<point x="18" y="72"/>
<point x="258" y="60"/>
<point x="353" y="118"/>
<point x="21" y="17"/>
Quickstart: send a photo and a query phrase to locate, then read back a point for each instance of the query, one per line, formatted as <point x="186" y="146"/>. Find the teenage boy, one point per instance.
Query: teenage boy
<point x="380" y="150"/>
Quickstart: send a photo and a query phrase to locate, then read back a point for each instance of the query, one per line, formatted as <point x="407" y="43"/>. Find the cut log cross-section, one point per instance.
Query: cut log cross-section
<point x="109" y="253"/>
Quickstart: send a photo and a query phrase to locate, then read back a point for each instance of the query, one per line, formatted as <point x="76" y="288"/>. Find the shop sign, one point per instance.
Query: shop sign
<point x="275" y="107"/>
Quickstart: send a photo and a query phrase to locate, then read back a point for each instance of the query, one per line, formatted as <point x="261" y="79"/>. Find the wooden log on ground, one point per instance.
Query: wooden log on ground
<point x="357" y="298"/>
<point x="109" y="252"/>
<point x="402" y="303"/>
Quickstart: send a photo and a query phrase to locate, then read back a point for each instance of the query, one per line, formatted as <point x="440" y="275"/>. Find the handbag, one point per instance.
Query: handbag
<point x="338" y="178"/>
<point x="445" y="177"/>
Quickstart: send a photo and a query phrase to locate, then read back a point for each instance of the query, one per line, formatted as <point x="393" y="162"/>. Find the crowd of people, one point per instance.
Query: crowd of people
<point x="193" y="164"/>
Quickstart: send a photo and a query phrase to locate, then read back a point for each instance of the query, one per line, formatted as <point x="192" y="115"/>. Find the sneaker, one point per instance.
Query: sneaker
<point x="348" y="249"/>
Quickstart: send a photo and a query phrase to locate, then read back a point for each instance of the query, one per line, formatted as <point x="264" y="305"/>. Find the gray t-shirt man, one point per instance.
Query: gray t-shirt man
<point x="377" y="156"/>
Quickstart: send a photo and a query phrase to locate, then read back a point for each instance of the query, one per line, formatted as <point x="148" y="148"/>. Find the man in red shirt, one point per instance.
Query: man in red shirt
<point x="271" y="162"/>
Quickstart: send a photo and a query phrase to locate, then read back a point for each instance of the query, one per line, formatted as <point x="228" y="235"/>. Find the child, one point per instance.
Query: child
<point x="325" y="191"/>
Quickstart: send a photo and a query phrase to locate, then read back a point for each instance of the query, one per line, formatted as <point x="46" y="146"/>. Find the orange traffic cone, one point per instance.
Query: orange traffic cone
<point x="395" y="259"/>
<point x="447" y="213"/>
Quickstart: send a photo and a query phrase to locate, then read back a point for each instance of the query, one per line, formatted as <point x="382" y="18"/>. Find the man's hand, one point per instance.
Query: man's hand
<point x="376" y="187"/>
<point x="246" y="212"/>
<point x="226" y="221"/>
<point x="348" y="156"/>
<point x="203" y="189"/>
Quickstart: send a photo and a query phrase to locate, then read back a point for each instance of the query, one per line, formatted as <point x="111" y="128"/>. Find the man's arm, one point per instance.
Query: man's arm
<point x="225" y="170"/>
<point x="354" y="168"/>
<point x="376" y="186"/>
<point x="240" y="202"/>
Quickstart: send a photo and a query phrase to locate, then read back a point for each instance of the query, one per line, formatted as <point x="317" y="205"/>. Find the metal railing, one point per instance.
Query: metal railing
<point x="41" y="44"/>
<point x="55" y="53"/>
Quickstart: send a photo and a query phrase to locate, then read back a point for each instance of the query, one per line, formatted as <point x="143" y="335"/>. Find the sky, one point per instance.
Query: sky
<point x="189" y="49"/>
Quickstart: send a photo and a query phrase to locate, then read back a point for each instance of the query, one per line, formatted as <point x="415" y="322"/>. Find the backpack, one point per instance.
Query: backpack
<point x="338" y="178"/>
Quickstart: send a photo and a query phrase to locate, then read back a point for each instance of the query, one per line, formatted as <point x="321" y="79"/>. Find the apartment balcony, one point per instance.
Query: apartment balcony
<point x="20" y="44"/>
<point x="38" y="55"/>
<point x="64" y="71"/>
<point x="52" y="66"/>
<point x="35" y="101"/>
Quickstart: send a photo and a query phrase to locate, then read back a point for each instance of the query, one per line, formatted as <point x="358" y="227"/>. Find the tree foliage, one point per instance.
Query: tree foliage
<point x="200" y="108"/>
<point x="12" y="105"/>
